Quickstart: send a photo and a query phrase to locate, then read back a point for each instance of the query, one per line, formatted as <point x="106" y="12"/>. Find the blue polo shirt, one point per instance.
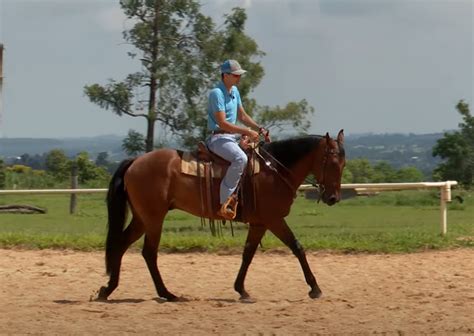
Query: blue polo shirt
<point x="221" y="100"/>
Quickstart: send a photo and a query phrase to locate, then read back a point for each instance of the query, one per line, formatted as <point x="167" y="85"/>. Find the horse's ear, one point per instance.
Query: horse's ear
<point x="340" y="137"/>
<point x="328" y="138"/>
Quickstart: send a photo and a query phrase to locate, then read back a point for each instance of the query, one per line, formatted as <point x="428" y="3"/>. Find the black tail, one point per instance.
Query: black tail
<point x="117" y="212"/>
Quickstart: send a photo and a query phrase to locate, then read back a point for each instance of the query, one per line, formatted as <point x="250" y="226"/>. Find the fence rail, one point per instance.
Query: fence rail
<point x="444" y="188"/>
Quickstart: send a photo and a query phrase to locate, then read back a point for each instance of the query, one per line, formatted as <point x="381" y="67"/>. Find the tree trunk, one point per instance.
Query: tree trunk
<point x="152" y="108"/>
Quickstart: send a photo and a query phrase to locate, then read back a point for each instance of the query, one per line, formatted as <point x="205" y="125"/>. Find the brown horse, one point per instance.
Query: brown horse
<point x="153" y="184"/>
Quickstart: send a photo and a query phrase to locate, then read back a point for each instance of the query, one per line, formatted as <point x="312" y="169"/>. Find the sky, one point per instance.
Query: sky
<point x="366" y="66"/>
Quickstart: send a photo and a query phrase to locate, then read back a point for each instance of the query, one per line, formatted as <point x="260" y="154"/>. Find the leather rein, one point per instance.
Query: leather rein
<point x="319" y="185"/>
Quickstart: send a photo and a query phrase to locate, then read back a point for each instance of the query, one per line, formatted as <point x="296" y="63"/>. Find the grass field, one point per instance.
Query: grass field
<point x="389" y="222"/>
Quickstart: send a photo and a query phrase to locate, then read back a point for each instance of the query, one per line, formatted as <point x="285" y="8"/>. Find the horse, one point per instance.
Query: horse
<point x="152" y="184"/>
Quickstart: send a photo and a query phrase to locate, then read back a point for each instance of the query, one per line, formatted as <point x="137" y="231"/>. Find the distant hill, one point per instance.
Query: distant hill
<point x="397" y="149"/>
<point x="400" y="150"/>
<point x="14" y="147"/>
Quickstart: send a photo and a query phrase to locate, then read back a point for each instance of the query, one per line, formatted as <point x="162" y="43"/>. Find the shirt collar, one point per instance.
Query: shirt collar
<point x="224" y="89"/>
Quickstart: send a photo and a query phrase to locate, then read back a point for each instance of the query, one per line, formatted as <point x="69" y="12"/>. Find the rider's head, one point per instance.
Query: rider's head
<point x="231" y="71"/>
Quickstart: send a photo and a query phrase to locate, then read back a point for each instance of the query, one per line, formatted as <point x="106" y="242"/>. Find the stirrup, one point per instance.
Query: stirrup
<point x="228" y="210"/>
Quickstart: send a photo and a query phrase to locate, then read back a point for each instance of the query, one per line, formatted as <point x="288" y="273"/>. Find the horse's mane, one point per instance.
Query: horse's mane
<point x="291" y="150"/>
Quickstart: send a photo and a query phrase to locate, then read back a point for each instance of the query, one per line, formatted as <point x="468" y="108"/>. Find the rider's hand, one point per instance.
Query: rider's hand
<point x="266" y="133"/>
<point x="252" y="135"/>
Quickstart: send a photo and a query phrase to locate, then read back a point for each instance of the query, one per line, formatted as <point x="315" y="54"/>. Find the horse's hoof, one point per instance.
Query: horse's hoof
<point x="101" y="295"/>
<point x="245" y="298"/>
<point x="171" y="297"/>
<point x="315" y="293"/>
<point x="244" y="295"/>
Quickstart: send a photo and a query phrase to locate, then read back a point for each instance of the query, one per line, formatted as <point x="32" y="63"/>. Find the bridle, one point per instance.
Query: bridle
<point x="318" y="185"/>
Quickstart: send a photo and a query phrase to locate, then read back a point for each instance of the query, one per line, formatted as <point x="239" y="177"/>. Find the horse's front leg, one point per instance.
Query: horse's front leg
<point x="284" y="233"/>
<point x="254" y="236"/>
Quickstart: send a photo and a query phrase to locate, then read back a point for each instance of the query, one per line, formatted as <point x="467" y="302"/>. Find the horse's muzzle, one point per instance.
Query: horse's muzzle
<point x="331" y="200"/>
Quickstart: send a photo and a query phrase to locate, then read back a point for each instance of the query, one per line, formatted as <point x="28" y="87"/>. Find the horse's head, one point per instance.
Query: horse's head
<point x="328" y="168"/>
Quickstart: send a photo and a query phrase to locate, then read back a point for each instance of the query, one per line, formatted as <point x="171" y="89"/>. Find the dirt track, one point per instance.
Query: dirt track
<point x="47" y="292"/>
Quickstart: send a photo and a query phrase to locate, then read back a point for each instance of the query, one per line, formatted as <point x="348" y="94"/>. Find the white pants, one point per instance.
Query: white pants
<point x="227" y="147"/>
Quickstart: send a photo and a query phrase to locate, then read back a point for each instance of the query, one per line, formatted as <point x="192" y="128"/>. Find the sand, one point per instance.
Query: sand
<point x="48" y="292"/>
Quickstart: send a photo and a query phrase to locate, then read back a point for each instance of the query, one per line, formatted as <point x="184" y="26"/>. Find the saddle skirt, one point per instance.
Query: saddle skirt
<point x="191" y="161"/>
<point x="210" y="169"/>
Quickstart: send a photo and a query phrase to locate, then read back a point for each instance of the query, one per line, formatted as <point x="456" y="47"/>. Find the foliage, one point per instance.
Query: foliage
<point x="31" y="179"/>
<point x="2" y="174"/>
<point x="180" y="50"/>
<point x="134" y="143"/>
<point x="457" y="150"/>
<point x="293" y="116"/>
<point x="88" y="171"/>
<point x="57" y="164"/>
<point x="230" y="42"/>
<point x="20" y="169"/>
<point x="361" y="171"/>
<point x="33" y="161"/>
<point x="173" y="40"/>
<point x="102" y="159"/>
<point x="58" y="173"/>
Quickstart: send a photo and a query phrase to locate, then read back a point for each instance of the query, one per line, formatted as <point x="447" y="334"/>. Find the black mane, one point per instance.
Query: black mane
<point x="290" y="151"/>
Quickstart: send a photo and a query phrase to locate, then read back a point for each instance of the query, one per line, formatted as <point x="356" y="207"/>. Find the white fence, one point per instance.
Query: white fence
<point x="444" y="188"/>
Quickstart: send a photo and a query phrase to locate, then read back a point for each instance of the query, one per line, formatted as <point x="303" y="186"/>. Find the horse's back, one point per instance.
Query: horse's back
<point x="150" y="176"/>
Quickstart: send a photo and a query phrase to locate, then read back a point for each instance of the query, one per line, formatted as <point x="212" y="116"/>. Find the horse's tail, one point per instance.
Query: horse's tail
<point x="117" y="212"/>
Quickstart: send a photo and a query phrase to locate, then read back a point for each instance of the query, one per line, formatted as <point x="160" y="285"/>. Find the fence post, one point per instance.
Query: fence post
<point x="445" y="197"/>
<point x="74" y="178"/>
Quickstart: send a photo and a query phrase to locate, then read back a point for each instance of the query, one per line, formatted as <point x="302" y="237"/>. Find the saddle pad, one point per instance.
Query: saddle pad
<point x="189" y="166"/>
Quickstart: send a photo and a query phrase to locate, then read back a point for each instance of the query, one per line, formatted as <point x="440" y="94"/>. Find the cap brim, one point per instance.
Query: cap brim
<point x="238" y="72"/>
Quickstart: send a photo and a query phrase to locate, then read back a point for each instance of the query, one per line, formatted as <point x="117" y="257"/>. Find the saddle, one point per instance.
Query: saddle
<point x="210" y="168"/>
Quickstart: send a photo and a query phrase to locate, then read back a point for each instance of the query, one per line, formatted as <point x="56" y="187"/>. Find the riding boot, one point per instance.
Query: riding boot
<point x="228" y="210"/>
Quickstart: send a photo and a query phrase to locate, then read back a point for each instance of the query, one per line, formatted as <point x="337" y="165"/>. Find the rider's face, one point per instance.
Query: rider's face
<point x="234" y="79"/>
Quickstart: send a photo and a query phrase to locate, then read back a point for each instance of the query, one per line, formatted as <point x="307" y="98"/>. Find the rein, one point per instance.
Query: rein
<point x="318" y="186"/>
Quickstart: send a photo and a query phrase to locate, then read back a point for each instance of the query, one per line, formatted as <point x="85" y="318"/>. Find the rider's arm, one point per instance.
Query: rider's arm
<point x="246" y="119"/>
<point x="232" y="128"/>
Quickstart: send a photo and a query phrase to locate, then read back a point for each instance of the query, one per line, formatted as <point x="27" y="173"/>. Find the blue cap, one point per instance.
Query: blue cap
<point x="232" y="67"/>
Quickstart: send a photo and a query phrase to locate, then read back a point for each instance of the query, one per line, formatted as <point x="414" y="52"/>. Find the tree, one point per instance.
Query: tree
<point x="408" y="174"/>
<point x="232" y="43"/>
<point x="87" y="170"/>
<point x="361" y="170"/>
<point x="134" y="143"/>
<point x="383" y="173"/>
<point x="180" y="50"/>
<point x="102" y="159"/>
<point x="2" y="174"/>
<point x="172" y="38"/>
<point x="57" y="164"/>
<point x="457" y="150"/>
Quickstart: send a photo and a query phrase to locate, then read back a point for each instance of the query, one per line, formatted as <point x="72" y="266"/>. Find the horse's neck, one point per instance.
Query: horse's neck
<point x="302" y="169"/>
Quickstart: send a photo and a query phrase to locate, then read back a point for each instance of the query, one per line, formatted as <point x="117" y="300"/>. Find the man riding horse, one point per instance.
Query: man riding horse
<point x="224" y="109"/>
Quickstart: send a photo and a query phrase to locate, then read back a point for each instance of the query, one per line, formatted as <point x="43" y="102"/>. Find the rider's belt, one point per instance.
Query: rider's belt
<point x="220" y="132"/>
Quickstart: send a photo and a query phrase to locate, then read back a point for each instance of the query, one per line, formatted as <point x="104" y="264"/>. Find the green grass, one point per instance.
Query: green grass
<point x="390" y="222"/>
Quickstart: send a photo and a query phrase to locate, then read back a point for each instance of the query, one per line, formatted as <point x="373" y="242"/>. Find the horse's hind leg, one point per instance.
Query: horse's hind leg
<point x="254" y="236"/>
<point x="284" y="233"/>
<point x="131" y="234"/>
<point x="150" y="254"/>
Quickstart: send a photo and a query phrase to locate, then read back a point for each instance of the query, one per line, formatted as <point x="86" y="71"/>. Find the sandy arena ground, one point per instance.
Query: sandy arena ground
<point x="48" y="292"/>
